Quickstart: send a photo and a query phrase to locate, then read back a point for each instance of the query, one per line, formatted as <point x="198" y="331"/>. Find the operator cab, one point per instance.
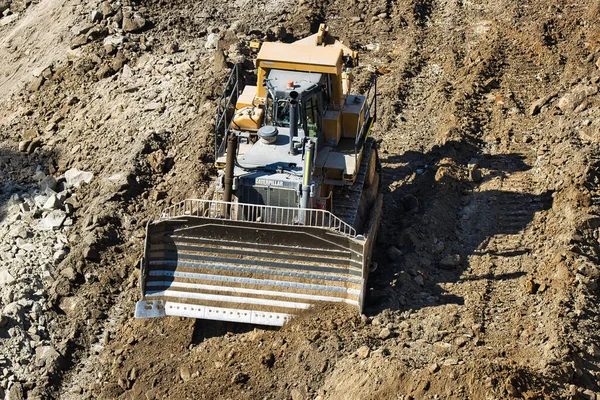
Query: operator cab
<point x="312" y="91"/>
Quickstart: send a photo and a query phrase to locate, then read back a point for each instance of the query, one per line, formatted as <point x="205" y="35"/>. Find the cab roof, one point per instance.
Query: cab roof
<point x="300" y="54"/>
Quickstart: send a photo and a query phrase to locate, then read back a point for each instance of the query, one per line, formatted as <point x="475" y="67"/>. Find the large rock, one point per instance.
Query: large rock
<point x="133" y="22"/>
<point x="54" y="220"/>
<point x="46" y="356"/>
<point x="212" y="41"/>
<point x="114" y="40"/>
<point x="48" y="182"/>
<point x="157" y="161"/>
<point x="76" y="177"/>
<point x="5" y="277"/>
<point x="15" y="392"/>
<point x="573" y="99"/>
<point x="53" y="203"/>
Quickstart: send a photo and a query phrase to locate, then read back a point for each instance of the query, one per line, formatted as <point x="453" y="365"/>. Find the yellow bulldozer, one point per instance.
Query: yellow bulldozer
<point x="297" y="204"/>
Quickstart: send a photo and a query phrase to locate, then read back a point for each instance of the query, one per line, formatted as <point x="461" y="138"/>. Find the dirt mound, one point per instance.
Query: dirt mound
<point x="487" y="279"/>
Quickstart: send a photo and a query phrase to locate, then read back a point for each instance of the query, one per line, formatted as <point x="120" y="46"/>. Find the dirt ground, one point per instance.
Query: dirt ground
<point x="488" y="254"/>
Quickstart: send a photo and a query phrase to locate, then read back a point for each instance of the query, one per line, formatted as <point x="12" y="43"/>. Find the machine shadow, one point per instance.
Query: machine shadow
<point x="431" y="213"/>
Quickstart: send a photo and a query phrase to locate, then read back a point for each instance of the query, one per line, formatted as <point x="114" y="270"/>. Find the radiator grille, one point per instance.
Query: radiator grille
<point x="261" y="195"/>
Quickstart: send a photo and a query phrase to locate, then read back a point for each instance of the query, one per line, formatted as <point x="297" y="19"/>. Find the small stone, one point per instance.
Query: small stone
<point x="54" y="220"/>
<point x="268" y="360"/>
<point x="185" y="373"/>
<point x="27" y="246"/>
<point x="473" y="163"/>
<point x="123" y="384"/>
<point x="19" y="232"/>
<point x="238" y="27"/>
<point x="150" y="394"/>
<point x="356" y="20"/>
<point x="48" y="182"/>
<point x="531" y="287"/>
<point x="450" y="261"/>
<point x="15" y="392"/>
<point x="97" y="32"/>
<point x="419" y="280"/>
<point x="157" y="161"/>
<point x="95" y="16"/>
<point x="212" y="41"/>
<point x="433" y="368"/>
<point x="52" y="203"/>
<point x="363" y="351"/>
<point x="114" y="40"/>
<point x="68" y="272"/>
<point x="24" y="145"/>
<point x="476" y="175"/>
<point x="91" y="254"/>
<point x="70" y="305"/>
<point x="154" y="106"/>
<point x="171" y="48"/>
<point x="30" y="134"/>
<point x="104" y="72"/>
<point x="588" y="394"/>
<point x="35" y="143"/>
<point x="240" y="378"/>
<point x="106" y="9"/>
<point x="133" y="22"/>
<point x="75" y="177"/>
<point x="36" y="84"/>
<point x="117" y="63"/>
<point x="460" y="341"/>
<point x="394" y="253"/>
<point x="46" y="356"/>
<point x="127" y="72"/>
<point x="594" y="350"/>
<point x="384" y="334"/>
<point x="78" y="42"/>
<point x="296" y="395"/>
<point x="573" y="99"/>
<point x="5" y="277"/>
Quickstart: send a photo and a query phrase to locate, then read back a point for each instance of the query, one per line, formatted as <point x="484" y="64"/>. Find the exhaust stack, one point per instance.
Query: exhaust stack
<point x="293" y="121"/>
<point x="229" y="167"/>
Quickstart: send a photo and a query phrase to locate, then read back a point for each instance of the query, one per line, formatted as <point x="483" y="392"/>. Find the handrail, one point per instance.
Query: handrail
<point x="258" y="213"/>
<point x="370" y="102"/>
<point x="221" y="121"/>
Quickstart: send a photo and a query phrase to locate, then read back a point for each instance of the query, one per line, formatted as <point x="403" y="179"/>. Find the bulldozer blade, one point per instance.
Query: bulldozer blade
<point x="250" y="272"/>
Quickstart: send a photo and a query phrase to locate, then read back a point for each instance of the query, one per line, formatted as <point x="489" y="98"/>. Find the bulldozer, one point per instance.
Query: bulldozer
<point x="295" y="211"/>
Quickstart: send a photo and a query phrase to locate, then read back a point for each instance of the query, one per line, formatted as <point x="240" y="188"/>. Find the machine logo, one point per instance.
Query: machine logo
<point x="265" y="182"/>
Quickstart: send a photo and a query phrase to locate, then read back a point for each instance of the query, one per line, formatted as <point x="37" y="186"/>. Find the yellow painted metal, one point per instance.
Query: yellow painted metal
<point x="332" y="127"/>
<point x="352" y="115"/>
<point x="307" y="159"/>
<point x="248" y="118"/>
<point x="246" y="99"/>
<point x="297" y="57"/>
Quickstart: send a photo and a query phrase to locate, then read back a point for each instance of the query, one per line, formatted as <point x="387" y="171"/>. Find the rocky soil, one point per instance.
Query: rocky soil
<point x="488" y="256"/>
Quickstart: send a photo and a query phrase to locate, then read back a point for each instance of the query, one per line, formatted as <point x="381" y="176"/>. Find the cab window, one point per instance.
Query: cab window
<point x="311" y="110"/>
<point x="282" y="115"/>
